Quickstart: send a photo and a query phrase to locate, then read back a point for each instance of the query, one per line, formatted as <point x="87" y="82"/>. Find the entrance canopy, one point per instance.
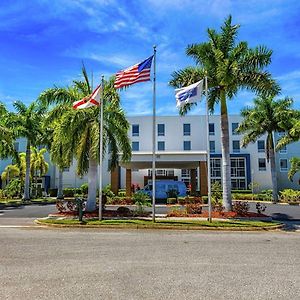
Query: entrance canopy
<point x="165" y="160"/>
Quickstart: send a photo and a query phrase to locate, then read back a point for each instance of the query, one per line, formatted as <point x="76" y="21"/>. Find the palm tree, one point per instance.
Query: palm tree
<point x="27" y="124"/>
<point x="292" y="135"/>
<point x="266" y="117"/>
<point x="295" y="167"/>
<point x="6" y="135"/>
<point x="15" y="170"/>
<point x="78" y="130"/>
<point x="229" y="67"/>
<point x="10" y="172"/>
<point x="39" y="167"/>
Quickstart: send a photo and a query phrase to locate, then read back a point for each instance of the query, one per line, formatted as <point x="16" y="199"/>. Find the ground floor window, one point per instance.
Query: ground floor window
<point x="161" y="172"/>
<point x="238" y="172"/>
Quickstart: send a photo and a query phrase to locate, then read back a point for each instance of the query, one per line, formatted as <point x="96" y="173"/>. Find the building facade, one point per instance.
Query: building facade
<point x="181" y="155"/>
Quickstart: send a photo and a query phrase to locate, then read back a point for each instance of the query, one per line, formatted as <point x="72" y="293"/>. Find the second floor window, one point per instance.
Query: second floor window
<point x="160" y="129"/>
<point x="236" y="146"/>
<point x="211" y="129"/>
<point x="261" y="146"/>
<point x="187" y="145"/>
<point x="262" y="164"/>
<point x="160" y="146"/>
<point x="135" y="146"/>
<point x="135" y="130"/>
<point x="234" y="127"/>
<point x="212" y="146"/>
<point x="283" y="165"/>
<point x="186" y="129"/>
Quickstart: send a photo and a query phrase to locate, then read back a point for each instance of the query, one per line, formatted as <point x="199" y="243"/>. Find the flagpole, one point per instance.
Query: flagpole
<point x="153" y="134"/>
<point x="101" y="147"/>
<point x="208" y="153"/>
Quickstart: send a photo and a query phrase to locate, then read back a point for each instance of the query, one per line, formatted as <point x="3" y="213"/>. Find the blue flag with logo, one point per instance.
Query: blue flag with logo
<point x="189" y="94"/>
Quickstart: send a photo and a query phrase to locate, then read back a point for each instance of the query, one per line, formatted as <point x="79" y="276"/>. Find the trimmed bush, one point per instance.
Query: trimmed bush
<point x="52" y="192"/>
<point x="68" y="192"/>
<point x="171" y="200"/>
<point x="290" y="196"/>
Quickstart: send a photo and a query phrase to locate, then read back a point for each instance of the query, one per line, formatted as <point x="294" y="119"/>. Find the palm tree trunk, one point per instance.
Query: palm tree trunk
<point x="92" y="185"/>
<point x="36" y="182"/>
<point x="27" y="174"/>
<point x="60" y="191"/>
<point x="226" y="171"/>
<point x="273" y="170"/>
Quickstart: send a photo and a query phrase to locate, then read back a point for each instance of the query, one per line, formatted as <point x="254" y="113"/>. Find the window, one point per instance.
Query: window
<point x="160" y="146"/>
<point x="187" y="145"/>
<point x="135" y="146"/>
<point x="261" y="146"/>
<point x="236" y="146"/>
<point x="66" y="169"/>
<point x="215" y="168"/>
<point x="283" y="149"/>
<point x="238" y="173"/>
<point x="262" y="164"/>
<point x="212" y="146"/>
<point x="234" y="126"/>
<point x="170" y="172"/>
<point x="186" y="176"/>
<point x="160" y="129"/>
<point x="238" y="184"/>
<point x="186" y="129"/>
<point x="238" y="168"/>
<point x="135" y="130"/>
<point x="211" y="129"/>
<point x="283" y="165"/>
<point x="16" y="146"/>
<point x="161" y="172"/>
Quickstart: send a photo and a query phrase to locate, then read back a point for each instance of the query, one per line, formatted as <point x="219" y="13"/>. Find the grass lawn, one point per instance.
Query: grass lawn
<point x="163" y="223"/>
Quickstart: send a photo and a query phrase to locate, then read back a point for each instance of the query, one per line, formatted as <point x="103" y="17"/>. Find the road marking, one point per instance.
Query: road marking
<point x="18" y="226"/>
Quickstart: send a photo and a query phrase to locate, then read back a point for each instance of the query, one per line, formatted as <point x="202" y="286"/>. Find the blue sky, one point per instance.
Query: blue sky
<point x="43" y="42"/>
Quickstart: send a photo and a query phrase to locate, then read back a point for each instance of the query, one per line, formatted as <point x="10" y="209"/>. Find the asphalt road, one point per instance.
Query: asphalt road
<point x="108" y="264"/>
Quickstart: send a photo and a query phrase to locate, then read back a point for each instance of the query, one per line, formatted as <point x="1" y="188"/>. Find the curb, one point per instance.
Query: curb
<point x="162" y="227"/>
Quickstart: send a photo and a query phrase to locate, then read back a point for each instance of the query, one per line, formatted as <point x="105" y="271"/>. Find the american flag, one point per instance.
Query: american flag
<point x="137" y="73"/>
<point x="89" y="101"/>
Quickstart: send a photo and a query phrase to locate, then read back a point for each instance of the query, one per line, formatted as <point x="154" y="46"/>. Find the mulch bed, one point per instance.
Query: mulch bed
<point x="219" y="215"/>
<point x="106" y="214"/>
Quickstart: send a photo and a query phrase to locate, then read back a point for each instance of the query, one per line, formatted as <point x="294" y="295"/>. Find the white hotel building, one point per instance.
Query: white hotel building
<point x="181" y="155"/>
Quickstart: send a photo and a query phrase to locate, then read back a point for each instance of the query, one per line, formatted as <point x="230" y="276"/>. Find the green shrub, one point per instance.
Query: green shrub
<point x="244" y="196"/>
<point x="181" y="200"/>
<point x="171" y="200"/>
<point x="68" y="192"/>
<point x="290" y="196"/>
<point x="241" y="191"/>
<point x="52" y="192"/>
<point x="84" y="188"/>
<point x="122" y="193"/>
<point x="107" y="191"/>
<point x="13" y="189"/>
<point x="141" y="199"/>
<point x="216" y="194"/>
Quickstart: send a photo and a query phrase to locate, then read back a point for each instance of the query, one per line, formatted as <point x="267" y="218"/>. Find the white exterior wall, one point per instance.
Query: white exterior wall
<point x="174" y="139"/>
